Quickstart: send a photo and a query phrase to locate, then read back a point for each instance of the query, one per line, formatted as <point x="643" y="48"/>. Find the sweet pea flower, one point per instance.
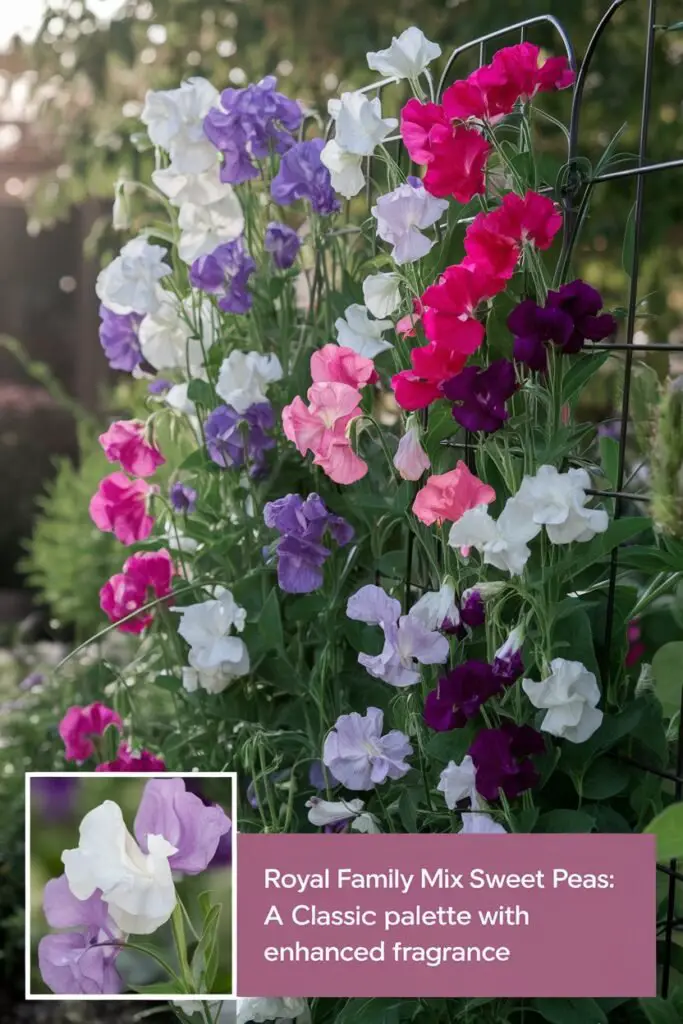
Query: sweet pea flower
<point x="205" y="227"/>
<point x="448" y="496"/>
<point x="120" y="507"/>
<point x="557" y="501"/>
<point x="502" y="543"/>
<point x="262" y="1010"/>
<point x="81" y="724"/>
<point x="119" y="339"/>
<point x="325" y="812"/>
<point x="138" y="888"/>
<point x="455" y="155"/>
<point x="125" y="443"/>
<point x="300" y="552"/>
<point x="303" y="174"/>
<point x="454" y="300"/>
<point x="168" y="341"/>
<point x="183" y="498"/>
<point x="411" y="460"/>
<point x="507" y="661"/>
<point x="479" y="395"/>
<point x="129" y="284"/>
<point x="207" y="628"/>
<point x="502" y="758"/>
<point x="570" y="694"/>
<point x="457" y="782"/>
<point x="475" y="823"/>
<point x="145" y="575"/>
<point x="283" y="243"/>
<point x="438" y="609"/>
<point x="408" y="643"/>
<point x="204" y="189"/>
<point x="382" y="293"/>
<point x="322" y="428"/>
<point x="494" y="240"/>
<point x="460" y="694"/>
<point x="225" y="273"/>
<point x="434" y="364"/>
<point x="127" y="760"/>
<point x="407" y="57"/>
<point x="401" y="217"/>
<point x="237" y="439"/>
<point x="360" y="126"/>
<point x="175" y="122"/>
<point x="355" y="330"/>
<point x="360" y="756"/>
<point x="341" y="364"/>
<point x="244" y="378"/>
<point x="346" y="169"/>
<point x="167" y="809"/>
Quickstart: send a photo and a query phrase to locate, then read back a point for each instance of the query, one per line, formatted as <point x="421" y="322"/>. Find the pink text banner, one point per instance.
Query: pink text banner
<point x="446" y="915"/>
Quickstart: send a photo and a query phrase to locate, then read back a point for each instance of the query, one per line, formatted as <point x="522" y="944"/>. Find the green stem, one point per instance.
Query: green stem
<point x="178" y="929"/>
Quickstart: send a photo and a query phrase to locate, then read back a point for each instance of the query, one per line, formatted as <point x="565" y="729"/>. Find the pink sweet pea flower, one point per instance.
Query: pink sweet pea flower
<point x="454" y="298"/>
<point x="145" y="575"/>
<point x="493" y="241"/>
<point x="435" y="363"/>
<point x="337" y="364"/>
<point x="322" y="428"/>
<point x="418" y="120"/>
<point x="407" y="325"/>
<point x="120" y="507"/>
<point x="80" y="724"/>
<point x="450" y="495"/>
<point x="411" y="460"/>
<point x="455" y="156"/>
<point x="125" y="442"/>
<point x="127" y="761"/>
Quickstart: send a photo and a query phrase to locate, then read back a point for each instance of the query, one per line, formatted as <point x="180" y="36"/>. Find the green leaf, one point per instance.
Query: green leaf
<point x="604" y="779"/>
<point x="205" y="958"/>
<point x="586" y="555"/>
<point x="195" y="460"/>
<point x="270" y="623"/>
<point x="407" y="807"/>
<point x="565" y="821"/>
<point x="200" y="393"/>
<point x="167" y="682"/>
<point x="453" y="745"/>
<point x="581" y="371"/>
<point x="667" y="827"/>
<point x="659" y="1011"/>
<point x="159" y="988"/>
<point x="569" y="1011"/>
<point x="668" y="677"/>
<point x="371" y="1011"/>
<point x="609" y="459"/>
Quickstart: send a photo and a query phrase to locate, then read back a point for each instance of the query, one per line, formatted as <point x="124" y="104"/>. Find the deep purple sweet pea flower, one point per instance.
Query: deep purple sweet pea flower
<point x="302" y="175"/>
<point x="225" y="272"/>
<point x="56" y="796"/>
<point x="582" y="304"/>
<point x="167" y="809"/>
<point x="119" y="339"/>
<point x="460" y="694"/>
<point x="502" y="760"/>
<point x="472" y="609"/>
<point x="481" y="395"/>
<point x="284" y="244"/>
<point x="249" y="124"/>
<point x="300" y="553"/>
<point x="74" y="962"/>
<point x="234" y="439"/>
<point x="183" y="498"/>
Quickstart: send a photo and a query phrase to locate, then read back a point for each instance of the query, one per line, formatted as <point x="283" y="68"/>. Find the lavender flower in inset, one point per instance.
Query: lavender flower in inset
<point x="302" y="175"/>
<point x="182" y="818"/>
<point x="300" y="553"/>
<point x="119" y="339"/>
<point x="360" y="756"/>
<point x="225" y="273"/>
<point x="460" y="694"/>
<point x="249" y="124"/>
<point x="234" y="439"/>
<point x="284" y="244"/>
<point x="480" y="395"/>
<point x="183" y="498"/>
<point x="502" y="758"/>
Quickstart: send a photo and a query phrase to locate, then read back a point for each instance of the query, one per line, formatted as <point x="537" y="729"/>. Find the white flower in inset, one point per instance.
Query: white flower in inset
<point x="204" y="227"/>
<point x="346" y="171"/>
<point x="457" y="782"/>
<point x="168" y="341"/>
<point x="366" y="823"/>
<point x="407" y="57"/>
<point x="437" y="609"/>
<point x="244" y="378"/>
<point x="382" y="293"/>
<point x="175" y="122"/>
<point x="411" y="460"/>
<point x="129" y="284"/>
<point x="137" y="887"/>
<point x="570" y="693"/>
<point x="402" y="215"/>
<point x="360" y="126"/>
<point x="357" y="331"/>
<point x="327" y="812"/>
<point x="207" y="629"/>
<point x="557" y="501"/>
<point x="262" y="1010"/>
<point x="475" y="823"/>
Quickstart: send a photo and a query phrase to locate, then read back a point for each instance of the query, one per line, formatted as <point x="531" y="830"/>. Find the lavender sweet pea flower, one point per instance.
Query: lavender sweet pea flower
<point x="235" y="440"/>
<point x="225" y="273"/>
<point x="159" y="386"/>
<point x="248" y="125"/>
<point x="119" y="339"/>
<point x="168" y="810"/>
<point x="480" y="395"/>
<point x="407" y="642"/>
<point x="360" y="756"/>
<point x="300" y="552"/>
<point x="316" y="776"/>
<point x="183" y="498"/>
<point x="283" y="243"/>
<point x="302" y="175"/>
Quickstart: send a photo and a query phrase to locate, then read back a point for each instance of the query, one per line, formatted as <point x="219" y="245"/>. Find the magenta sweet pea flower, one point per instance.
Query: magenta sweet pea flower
<point x="120" y="507"/>
<point x="80" y="724"/>
<point x="502" y="758"/>
<point x="145" y="575"/>
<point x="127" y="761"/>
<point x="125" y="443"/>
<point x="184" y="820"/>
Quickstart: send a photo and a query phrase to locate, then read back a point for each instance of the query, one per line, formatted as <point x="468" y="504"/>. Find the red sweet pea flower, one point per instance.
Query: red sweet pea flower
<point x="435" y="363"/>
<point x="493" y="240"/>
<point x="455" y="156"/>
<point x="454" y="298"/>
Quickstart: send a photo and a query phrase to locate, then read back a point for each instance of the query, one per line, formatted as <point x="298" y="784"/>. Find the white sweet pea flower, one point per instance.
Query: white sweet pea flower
<point x="401" y="217"/>
<point x="331" y="812"/>
<point x="382" y="293"/>
<point x="513" y="643"/>
<point x="437" y="609"/>
<point x="168" y="341"/>
<point x="457" y="782"/>
<point x="176" y="398"/>
<point x="571" y="694"/>
<point x="360" y="126"/>
<point x="357" y="331"/>
<point x="475" y="823"/>
<point x="411" y="460"/>
<point x="137" y="887"/>
<point x="260" y="1011"/>
<point x="244" y="377"/>
<point x="557" y="501"/>
<point x="120" y="216"/>
<point x="175" y="121"/>
<point x="346" y="171"/>
<point x="205" y="226"/>
<point x="129" y="284"/>
<point x="502" y="544"/>
<point x="198" y="189"/>
<point x="207" y="629"/>
<point x="215" y="680"/>
<point x="367" y="824"/>
<point x="407" y="57"/>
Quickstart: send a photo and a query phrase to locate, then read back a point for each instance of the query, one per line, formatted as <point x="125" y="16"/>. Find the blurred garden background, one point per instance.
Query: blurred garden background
<point x="73" y="75"/>
<point x="58" y="804"/>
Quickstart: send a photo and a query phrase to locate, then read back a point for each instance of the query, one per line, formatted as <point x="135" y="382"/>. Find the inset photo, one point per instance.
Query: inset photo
<point x="130" y="885"/>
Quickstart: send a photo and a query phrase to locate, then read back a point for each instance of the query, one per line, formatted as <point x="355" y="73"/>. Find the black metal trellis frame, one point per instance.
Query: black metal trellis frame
<point x="574" y="194"/>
